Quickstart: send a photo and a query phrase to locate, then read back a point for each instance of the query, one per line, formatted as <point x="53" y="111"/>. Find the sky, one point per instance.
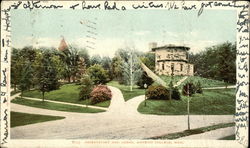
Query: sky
<point x="103" y="32"/>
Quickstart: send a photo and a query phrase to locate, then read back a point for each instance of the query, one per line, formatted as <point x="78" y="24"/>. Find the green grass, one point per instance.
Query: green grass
<point x="55" y="106"/>
<point x="231" y="137"/>
<point x="211" y="102"/>
<point x="194" y="131"/>
<point x="205" y="82"/>
<point x="66" y="93"/>
<point x="125" y="89"/>
<point x="14" y="92"/>
<point x="19" y="119"/>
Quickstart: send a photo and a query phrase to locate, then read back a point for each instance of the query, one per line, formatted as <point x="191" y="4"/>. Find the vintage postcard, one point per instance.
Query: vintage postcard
<point x="124" y="73"/>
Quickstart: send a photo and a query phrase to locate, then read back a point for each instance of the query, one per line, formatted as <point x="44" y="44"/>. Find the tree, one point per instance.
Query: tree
<point x="97" y="74"/>
<point x="107" y="65"/>
<point x="16" y="67"/>
<point x="145" y="79"/>
<point x="86" y="87"/>
<point x="116" y="67"/>
<point x="47" y="74"/>
<point x="95" y="59"/>
<point x="149" y="60"/>
<point x="25" y="79"/>
<point x="226" y="64"/>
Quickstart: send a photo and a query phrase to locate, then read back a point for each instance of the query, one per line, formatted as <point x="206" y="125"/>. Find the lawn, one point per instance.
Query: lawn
<point x="125" y="89"/>
<point x="66" y="93"/>
<point x="19" y="119"/>
<point x="211" y="102"/>
<point x="194" y="131"/>
<point x="205" y="82"/>
<point x="55" y="106"/>
<point x="231" y="137"/>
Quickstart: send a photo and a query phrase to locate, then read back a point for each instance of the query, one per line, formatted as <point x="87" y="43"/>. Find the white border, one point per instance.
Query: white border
<point x="242" y="132"/>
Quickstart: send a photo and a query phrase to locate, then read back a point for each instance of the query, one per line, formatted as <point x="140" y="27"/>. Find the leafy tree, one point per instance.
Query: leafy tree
<point x="16" y="67"/>
<point x="116" y="66"/>
<point x="25" y="79"/>
<point x="98" y="74"/>
<point x="86" y="87"/>
<point x="47" y="74"/>
<point x="107" y="65"/>
<point x="83" y="53"/>
<point x="95" y="59"/>
<point x="149" y="60"/>
<point x="145" y="79"/>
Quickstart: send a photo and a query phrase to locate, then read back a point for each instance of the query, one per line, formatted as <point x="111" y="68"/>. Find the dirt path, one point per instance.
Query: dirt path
<point x="121" y="121"/>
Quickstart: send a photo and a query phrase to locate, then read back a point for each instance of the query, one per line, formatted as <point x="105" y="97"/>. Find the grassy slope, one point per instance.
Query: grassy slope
<point x="19" y="119"/>
<point x="231" y="137"/>
<point x="55" y="106"/>
<point x="211" y="102"/>
<point x="194" y="131"/>
<point x="127" y="94"/>
<point x="66" y="93"/>
<point x="204" y="81"/>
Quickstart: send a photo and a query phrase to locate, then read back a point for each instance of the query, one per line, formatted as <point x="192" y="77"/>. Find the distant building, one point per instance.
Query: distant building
<point x="63" y="45"/>
<point x="172" y="59"/>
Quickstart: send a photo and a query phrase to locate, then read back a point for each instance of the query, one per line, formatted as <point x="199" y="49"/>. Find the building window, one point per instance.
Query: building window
<point x="159" y="57"/>
<point x="181" y="67"/>
<point x="162" y="66"/>
<point x="172" y="67"/>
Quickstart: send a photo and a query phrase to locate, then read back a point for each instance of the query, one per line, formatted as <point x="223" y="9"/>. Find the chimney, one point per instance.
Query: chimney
<point x="152" y="45"/>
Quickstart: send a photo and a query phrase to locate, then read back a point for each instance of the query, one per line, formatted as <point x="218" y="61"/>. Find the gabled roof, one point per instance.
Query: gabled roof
<point x="169" y="46"/>
<point x="63" y="45"/>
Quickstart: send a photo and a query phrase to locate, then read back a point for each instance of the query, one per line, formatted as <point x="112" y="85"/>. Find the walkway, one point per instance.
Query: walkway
<point x="121" y="121"/>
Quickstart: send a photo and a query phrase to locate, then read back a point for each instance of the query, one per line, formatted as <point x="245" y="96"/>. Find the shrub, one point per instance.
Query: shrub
<point x="157" y="92"/>
<point x="176" y="94"/>
<point x="99" y="94"/>
<point x="188" y="88"/>
<point x="98" y="74"/>
<point x="145" y="79"/>
<point x="198" y="88"/>
<point x="86" y="87"/>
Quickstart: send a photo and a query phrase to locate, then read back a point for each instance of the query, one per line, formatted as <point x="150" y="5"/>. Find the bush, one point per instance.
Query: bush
<point x="98" y="74"/>
<point x="176" y="94"/>
<point x="99" y="94"/>
<point x="86" y="87"/>
<point x="188" y="88"/>
<point x="145" y="79"/>
<point x="198" y="88"/>
<point x="157" y="92"/>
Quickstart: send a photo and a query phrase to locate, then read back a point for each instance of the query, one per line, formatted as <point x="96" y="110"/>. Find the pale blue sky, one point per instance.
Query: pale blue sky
<point x="117" y="29"/>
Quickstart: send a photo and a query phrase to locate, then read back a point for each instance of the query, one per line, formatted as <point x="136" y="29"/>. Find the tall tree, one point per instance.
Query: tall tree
<point x="25" y="79"/>
<point x="47" y="74"/>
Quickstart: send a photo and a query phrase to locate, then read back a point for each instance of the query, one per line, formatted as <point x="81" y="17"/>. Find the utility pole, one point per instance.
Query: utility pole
<point x="131" y="71"/>
<point x="188" y="106"/>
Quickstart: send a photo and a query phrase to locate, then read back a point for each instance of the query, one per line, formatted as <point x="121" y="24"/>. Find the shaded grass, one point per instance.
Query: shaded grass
<point x="55" y="106"/>
<point x="193" y="131"/>
<point x="125" y="89"/>
<point x="231" y="137"/>
<point x="66" y="93"/>
<point x="211" y="102"/>
<point x="19" y="119"/>
<point x="14" y="92"/>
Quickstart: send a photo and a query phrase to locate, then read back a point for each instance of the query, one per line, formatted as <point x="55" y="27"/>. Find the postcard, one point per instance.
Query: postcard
<point x="124" y="73"/>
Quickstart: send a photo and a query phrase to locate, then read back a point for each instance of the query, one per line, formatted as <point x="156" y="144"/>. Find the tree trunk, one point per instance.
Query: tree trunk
<point x="21" y="94"/>
<point x="69" y="79"/>
<point x="43" y="95"/>
<point x="15" y="87"/>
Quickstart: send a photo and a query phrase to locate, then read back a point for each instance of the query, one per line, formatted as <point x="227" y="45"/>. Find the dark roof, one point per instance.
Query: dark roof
<point x="171" y="46"/>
